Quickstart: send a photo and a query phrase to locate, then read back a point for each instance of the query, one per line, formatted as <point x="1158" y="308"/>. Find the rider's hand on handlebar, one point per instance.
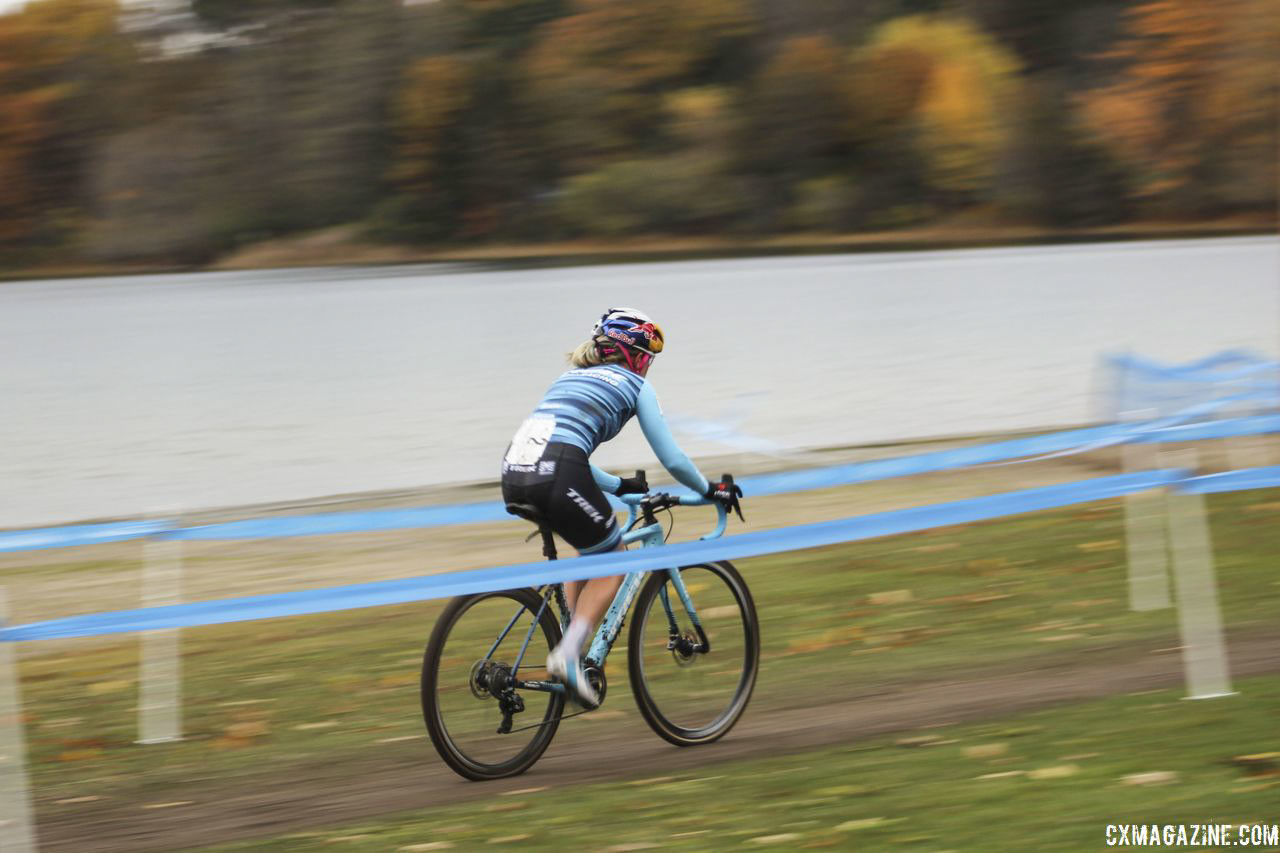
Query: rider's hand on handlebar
<point x="633" y="485"/>
<point x="726" y="492"/>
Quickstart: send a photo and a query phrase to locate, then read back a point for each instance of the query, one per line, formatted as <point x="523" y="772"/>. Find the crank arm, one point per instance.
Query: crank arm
<point x="543" y="686"/>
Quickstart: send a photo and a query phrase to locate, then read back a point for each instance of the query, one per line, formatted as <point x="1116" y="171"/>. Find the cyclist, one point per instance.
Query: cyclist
<point x="546" y="465"/>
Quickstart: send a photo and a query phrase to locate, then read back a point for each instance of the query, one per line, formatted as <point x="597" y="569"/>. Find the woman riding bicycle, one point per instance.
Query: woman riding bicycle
<point x="546" y="465"/>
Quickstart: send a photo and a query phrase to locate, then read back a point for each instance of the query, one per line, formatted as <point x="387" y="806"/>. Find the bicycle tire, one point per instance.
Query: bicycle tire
<point x="465" y="760"/>
<point x="662" y="721"/>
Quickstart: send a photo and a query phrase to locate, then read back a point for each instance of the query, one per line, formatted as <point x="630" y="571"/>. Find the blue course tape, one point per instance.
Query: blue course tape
<point x="1252" y="425"/>
<point x="79" y="534"/>
<point x="345" y="522"/>
<point x="1223" y="366"/>
<point x="646" y="559"/>
<point x="1233" y="481"/>
<point x="756" y="486"/>
<point x="760" y="485"/>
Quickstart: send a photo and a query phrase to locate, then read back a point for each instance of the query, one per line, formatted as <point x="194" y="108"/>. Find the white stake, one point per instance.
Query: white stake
<point x="1144" y="524"/>
<point x="17" y="828"/>
<point x="160" y="699"/>
<point x="1204" y="653"/>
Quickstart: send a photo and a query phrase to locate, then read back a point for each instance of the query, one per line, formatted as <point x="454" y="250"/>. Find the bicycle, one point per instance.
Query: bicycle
<point x="691" y="669"/>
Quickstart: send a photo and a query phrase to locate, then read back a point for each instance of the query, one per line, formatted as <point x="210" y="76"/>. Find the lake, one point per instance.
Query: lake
<point x="127" y="395"/>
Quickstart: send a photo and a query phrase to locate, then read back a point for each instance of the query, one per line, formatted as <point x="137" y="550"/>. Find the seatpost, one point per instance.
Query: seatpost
<point x="548" y="544"/>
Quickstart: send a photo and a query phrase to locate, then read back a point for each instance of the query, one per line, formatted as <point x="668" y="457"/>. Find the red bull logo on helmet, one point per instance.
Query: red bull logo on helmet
<point x="651" y="333"/>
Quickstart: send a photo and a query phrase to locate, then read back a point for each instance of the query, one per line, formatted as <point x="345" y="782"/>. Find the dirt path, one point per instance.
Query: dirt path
<point x="398" y="779"/>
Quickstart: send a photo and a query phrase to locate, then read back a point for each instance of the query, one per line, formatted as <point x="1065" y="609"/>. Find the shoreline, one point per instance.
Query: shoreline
<point x="459" y="492"/>
<point x="343" y="245"/>
<point x="476" y="491"/>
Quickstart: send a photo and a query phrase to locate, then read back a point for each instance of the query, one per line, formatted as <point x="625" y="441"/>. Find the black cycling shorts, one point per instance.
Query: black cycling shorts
<point x="560" y="485"/>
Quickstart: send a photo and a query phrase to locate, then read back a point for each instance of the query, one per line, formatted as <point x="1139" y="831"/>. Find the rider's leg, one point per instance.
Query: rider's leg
<point x="572" y="589"/>
<point x="565" y="661"/>
<point x="588" y="602"/>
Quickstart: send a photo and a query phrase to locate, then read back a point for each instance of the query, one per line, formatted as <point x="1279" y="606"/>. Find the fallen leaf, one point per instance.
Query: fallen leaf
<point x="100" y="688"/>
<point x="1101" y="545"/>
<point x="865" y="823"/>
<point x="986" y="750"/>
<point x="1059" y="771"/>
<point x="174" y="804"/>
<point x="428" y="845"/>
<point x="654" y="781"/>
<point x="828" y="639"/>
<point x="893" y="596"/>
<point x="507" y="807"/>
<point x="781" y="838"/>
<point x="1155" y="777"/>
<point x="844" y="791"/>
<point x="62" y="723"/>
<point x="510" y="839"/>
<point x="247" y="730"/>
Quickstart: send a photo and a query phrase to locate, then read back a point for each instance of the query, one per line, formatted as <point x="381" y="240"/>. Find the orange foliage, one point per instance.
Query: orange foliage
<point x="432" y="93"/>
<point x="597" y="74"/>
<point x="1199" y="85"/>
<point x="36" y="44"/>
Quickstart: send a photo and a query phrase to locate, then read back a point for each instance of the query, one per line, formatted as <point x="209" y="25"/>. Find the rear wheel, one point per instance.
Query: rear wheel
<point x="692" y="686"/>
<point x="467" y="683"/>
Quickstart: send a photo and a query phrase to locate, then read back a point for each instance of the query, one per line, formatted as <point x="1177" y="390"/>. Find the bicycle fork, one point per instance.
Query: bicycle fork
<point x="683" y="646"/>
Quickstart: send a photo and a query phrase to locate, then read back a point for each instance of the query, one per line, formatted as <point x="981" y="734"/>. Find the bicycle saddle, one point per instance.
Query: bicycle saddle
<point x="528" y="512"/>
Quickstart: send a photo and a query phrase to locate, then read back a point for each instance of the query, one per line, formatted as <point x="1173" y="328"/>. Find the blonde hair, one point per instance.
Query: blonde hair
<point x="588" y="355"/>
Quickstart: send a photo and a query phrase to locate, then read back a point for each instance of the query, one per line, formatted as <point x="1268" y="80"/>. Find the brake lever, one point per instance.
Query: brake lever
<point x="736" y="491"/>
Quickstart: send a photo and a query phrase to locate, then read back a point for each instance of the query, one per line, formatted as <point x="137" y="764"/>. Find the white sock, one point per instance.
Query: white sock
<point x="574" y="635"/>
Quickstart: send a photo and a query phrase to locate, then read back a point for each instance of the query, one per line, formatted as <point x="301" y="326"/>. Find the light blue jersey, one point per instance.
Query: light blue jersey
<point x="590" y="405"/>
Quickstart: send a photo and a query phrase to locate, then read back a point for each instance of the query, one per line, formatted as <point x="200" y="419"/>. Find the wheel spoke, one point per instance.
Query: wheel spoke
<point x="690" y="691"/>
<point x="482" y="725"/>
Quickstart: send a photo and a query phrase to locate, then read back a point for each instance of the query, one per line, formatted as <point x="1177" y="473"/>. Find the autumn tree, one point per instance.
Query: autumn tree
<point x="1193" y="113"/>
<point x="597" y="78"/>
<point x="426" y="110"/>
<point x="283" y="132"/>
<point x="1055" y="172"/>
<point x="953" y="84"/>
<point x="63" y="68"/>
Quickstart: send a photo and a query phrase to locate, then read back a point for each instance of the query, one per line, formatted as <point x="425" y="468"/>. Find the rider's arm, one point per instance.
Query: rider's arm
<point x="606" y="481"/>
<point x="658" y="434"/>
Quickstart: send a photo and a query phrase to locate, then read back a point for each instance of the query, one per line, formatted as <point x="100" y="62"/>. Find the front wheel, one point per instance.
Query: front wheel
<point x="471" y="670"/>
<point x="692" y="685"/>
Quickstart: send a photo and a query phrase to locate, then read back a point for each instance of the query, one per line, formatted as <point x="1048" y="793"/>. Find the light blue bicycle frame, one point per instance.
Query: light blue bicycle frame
<point x="650" y="536"/>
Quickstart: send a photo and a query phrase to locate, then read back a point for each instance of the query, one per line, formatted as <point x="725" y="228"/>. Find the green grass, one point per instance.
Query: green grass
<point x="1051" y="780"/>
<point x="264" y="697"/>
